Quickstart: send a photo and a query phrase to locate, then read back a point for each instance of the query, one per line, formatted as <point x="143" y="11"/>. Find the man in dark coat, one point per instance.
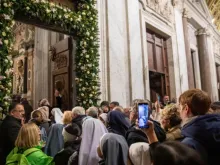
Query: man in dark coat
<point x="78" y="116"/>
<point x="201" y="131"/>
<point x="10" y="128"/>
<point x="59" y="99"/>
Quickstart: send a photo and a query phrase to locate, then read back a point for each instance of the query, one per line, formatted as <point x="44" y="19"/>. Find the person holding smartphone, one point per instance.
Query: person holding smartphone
<point x="170" y="152"/>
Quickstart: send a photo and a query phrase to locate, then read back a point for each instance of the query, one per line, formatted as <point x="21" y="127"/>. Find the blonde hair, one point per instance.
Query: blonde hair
<point x="28" y="136"/>
<point x="171" y="112"/>
<point x="67" y="117"/>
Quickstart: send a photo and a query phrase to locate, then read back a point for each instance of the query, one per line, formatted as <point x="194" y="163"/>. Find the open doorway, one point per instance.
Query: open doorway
<point x="42" y="62"/>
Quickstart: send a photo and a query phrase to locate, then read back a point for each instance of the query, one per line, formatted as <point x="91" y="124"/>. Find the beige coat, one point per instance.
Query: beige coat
<point x="174" y="133"/>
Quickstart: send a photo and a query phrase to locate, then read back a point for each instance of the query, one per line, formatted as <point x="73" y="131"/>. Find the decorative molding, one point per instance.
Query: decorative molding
<point x="186" y="13"/>
<point x="142" y="4"/>
<point x="164" y="8"/>
<point x="61" y="61"/>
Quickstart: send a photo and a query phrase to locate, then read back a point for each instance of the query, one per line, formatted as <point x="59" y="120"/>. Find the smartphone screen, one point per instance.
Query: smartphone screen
<point x="158" y="97"/>
<point x="143" y="115"/>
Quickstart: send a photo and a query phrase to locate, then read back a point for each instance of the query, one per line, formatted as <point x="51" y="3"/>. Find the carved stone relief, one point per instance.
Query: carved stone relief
<point x="18" y="75"/>
<point x="162" y="7"/>
<point x="23" y="46"/>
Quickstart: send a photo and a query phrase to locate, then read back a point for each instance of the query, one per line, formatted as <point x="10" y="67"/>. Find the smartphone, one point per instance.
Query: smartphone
<point x="158" y="97"/>
<point x="143" y="110"/>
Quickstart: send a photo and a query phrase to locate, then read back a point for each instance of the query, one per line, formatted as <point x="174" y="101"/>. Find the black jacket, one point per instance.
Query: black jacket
<point x="77" y="125"/>
<point x="62" y="157"/>
<point x="8" y="134"/>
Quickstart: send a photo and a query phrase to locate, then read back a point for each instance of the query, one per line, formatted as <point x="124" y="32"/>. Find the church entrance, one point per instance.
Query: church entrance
<point x="43" y="62"/>
<point x="158" y="65"/>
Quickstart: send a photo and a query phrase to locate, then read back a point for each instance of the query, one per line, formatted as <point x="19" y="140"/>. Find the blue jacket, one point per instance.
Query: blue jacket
<point x="203" y="135"/>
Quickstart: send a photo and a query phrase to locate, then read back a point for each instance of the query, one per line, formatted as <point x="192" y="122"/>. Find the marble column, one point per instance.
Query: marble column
<point x="41" y="61"/>
<point x="188" y="51"/>
<point x="204" y="61"/>
<point x="181" y="51"/>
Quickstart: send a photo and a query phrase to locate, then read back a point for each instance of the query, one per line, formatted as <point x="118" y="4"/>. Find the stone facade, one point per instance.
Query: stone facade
<point x="124" y="56"/>
<point x="192" y="48"/>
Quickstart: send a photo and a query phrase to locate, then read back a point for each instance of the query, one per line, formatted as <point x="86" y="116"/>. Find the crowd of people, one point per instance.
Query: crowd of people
<point x="187" y="133"/>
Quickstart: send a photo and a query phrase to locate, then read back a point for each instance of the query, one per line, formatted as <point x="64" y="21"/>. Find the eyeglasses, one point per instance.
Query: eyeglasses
<point x="20" y="111"/>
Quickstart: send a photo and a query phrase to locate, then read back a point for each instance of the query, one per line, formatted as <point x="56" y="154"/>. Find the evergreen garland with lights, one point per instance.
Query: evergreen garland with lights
<point x="82" y="23"/>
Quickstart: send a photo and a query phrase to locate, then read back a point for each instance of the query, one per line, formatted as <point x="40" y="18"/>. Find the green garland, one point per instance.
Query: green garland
<point x="82" y="23"/>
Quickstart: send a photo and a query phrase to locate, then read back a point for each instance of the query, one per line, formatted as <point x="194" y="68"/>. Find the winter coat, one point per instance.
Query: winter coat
<point x="37" y="157"/>
<point x="174" y="133"/>
<point x="9" y="130"/>
<point x="203" y="135"/>
<point x="77" y="125"/>
<point x="62" y="157"/>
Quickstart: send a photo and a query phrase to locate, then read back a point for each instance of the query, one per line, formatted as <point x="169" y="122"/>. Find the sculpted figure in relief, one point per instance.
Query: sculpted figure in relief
<point x="20" y="77"/>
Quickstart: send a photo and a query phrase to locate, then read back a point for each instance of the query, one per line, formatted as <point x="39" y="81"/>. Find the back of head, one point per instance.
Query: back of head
<point x="197" y="100"/>
<point x="119" y="108"/>
<point x="93" y="112"/>
<point x="78" y="111"/>
<point x="215" y="107"/>
<point x="175" y="153"/>
<point x="139" y="154"/>
<point x="114" y="149"/>
<point x="44" y="102"/>
<point x="92" y="131"/>
<point x="117" y="122"/>
<point x="67" y="117"/>
<point x="104" y="103"/>
<point x="69" y="133"/>
<point x="171" y="113"/>
<point x="115" y="103"/>
<point x="28" y="136"/>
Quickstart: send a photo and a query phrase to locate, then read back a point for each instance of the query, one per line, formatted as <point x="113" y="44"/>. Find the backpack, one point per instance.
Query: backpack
<point x="20" y="158"/>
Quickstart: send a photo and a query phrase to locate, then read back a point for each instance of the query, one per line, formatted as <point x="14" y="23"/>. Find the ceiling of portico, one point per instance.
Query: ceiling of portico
<point x="214" y="7"/>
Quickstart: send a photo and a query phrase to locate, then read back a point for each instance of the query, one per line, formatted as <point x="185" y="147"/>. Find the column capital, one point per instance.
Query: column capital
<point x="202" y="31"/>
<point x="186" y="13"/>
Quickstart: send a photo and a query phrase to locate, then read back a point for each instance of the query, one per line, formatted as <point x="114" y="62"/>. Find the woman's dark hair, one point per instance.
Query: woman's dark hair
<point x="104" y="103"/>
<point x="175" y="153"/>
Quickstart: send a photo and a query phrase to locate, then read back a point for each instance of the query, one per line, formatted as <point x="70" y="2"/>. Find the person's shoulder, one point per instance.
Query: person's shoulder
<point x="38" y="154"/>
<point x="10" y="121"/>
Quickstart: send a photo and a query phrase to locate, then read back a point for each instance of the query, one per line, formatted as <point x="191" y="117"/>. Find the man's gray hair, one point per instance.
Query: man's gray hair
<point x="93" y="112"/>
<point x="78" y="111"/>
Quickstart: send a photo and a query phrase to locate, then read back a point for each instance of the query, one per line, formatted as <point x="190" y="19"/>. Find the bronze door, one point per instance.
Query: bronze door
<point x="62" y="71"/>
<point x="158" y="65"/>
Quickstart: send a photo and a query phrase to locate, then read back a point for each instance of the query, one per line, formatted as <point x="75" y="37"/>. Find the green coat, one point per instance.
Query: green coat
<point x="36" y="158"/>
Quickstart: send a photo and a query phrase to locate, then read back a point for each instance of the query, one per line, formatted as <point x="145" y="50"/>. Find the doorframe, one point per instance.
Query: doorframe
<point x="165" y="29"/>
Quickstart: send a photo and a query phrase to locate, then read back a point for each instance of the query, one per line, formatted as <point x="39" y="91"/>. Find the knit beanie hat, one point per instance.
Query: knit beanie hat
<point x="68" y="133"/>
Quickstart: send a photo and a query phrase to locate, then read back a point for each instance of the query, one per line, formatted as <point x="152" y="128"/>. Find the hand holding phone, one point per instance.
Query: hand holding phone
<point x="143" y="110"/>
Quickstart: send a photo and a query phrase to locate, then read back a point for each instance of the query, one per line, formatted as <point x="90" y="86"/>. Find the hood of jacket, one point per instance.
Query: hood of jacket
<point x="204" y="129"/>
